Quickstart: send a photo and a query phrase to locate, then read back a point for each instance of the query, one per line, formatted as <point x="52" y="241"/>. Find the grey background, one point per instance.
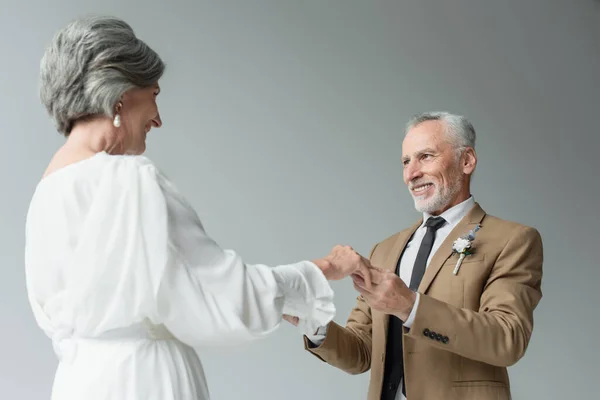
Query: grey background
<point x="283" y="124"/>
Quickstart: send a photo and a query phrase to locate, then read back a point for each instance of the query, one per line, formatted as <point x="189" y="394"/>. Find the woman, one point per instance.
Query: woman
<point x="120" y="272"/>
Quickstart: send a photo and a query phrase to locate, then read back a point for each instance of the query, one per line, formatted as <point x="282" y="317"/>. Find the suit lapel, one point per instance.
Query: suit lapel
<point x="391" y="262"/>
<point x="473" y="217"/>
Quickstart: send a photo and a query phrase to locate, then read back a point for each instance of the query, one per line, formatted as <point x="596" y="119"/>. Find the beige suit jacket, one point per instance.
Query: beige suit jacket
<point x="468" y="327"/>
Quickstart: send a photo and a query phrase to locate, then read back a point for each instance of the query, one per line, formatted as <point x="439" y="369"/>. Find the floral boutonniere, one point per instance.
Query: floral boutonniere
<point x="462" y="246"/>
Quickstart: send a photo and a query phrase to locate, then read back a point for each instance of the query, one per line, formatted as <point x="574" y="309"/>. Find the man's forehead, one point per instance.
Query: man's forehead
<point x="420" y="140"/>
<point x="414" y="140"/>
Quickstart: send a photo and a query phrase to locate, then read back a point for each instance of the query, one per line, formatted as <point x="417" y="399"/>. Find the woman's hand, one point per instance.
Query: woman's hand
<point x="343" y="261"/>
<point x="291" y="319"/>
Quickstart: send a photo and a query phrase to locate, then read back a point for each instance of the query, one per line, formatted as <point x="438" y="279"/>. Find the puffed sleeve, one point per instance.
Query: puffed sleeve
<point x="209" y="295"/>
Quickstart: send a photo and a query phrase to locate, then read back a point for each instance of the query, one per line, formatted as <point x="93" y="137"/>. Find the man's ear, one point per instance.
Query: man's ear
<point x="469" y="161"/>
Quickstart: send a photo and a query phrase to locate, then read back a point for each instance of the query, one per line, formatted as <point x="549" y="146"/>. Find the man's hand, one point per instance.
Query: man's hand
<point x="388" y="293"/>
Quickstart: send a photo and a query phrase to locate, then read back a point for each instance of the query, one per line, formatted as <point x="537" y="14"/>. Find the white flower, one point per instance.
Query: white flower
<point x="461" y="244"/>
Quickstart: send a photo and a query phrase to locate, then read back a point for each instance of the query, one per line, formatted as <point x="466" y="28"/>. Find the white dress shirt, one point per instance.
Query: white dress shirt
<point x="452" y="216"/>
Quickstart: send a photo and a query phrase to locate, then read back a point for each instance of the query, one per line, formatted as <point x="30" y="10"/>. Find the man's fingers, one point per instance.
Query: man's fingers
<point x="364" y="292"/>
<point x="371" y="275"/>
<point x="377" y="268"/>
<point x="377" y="274"/>
<point x="357" y="277"/>
<point x="366" y="276"/>
<point x="363" y="281"/>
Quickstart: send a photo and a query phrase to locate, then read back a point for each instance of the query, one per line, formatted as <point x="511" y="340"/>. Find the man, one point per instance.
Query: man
<point x="438" y="324"/>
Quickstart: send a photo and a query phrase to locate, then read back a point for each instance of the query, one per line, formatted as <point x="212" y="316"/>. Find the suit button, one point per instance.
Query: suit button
<point x="438" y="337"/>
<point x="445" y="340"/>
<point x="426" y="332"/>
<point x="432" y="335"/>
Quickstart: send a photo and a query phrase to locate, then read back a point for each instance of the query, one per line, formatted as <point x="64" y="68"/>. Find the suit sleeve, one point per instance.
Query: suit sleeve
<point x="499" y="332"/>
<point x="348" y="347"/>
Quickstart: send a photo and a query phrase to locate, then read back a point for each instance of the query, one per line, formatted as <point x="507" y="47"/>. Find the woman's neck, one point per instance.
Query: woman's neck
<point x="95" y="136"/>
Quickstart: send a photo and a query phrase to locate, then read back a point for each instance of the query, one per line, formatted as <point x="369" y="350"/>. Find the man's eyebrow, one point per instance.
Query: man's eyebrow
<point x="419" y="153"/>
<point x="427" y="150"/>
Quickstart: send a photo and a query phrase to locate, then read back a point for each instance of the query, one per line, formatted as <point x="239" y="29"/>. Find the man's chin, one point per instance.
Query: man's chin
<point x="421" y="200"/>
<point x="425" y="205"/>
<point x="420" y="206"/>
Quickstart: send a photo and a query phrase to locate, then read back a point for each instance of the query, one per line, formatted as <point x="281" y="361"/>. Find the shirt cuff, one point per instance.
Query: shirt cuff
<point x="411" y="317"/>
<point x="319" y="336"/>
<point x="307" y="295"/>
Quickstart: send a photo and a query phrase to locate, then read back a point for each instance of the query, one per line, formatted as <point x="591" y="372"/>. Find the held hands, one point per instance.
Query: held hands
<point x="386" y="293"/>
<point x="343" y="261"/>
<point x="382" y="289"/>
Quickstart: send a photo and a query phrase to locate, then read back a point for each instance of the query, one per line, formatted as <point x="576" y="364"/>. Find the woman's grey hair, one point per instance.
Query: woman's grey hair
<point x="88" y="66"/>
<point x="459" y="130"/>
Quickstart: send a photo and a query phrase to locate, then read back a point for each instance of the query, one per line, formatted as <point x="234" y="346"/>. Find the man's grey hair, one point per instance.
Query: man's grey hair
<point x="460" y="131"/>
<point x="88" y="66"/>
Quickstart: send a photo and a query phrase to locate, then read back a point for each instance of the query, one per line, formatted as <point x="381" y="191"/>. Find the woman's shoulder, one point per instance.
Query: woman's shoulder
<point x="137" y="167"/>
<point x="148" y="178"/>
<point x="98" y="170"/>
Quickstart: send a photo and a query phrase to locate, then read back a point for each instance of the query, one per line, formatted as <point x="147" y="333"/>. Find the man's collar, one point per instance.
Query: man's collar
<point x="455" y="214"/>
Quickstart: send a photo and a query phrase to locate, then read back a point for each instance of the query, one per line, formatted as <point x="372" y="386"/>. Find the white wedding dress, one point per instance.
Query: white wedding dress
<point x="125" y="281"/>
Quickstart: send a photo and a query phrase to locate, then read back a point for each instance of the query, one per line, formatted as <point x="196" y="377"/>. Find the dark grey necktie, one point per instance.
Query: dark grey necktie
<point x="432" y="224"/>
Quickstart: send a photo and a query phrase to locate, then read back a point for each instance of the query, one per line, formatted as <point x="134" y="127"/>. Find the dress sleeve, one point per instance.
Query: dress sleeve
<point x="209" y="295"/>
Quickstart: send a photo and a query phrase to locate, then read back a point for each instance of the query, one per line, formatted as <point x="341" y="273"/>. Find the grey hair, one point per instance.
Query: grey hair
<point x="88" y="66"/>
<point x="460" y="131"/>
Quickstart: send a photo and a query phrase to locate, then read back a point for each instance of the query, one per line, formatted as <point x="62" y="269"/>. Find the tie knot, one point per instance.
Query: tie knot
<point x="435" y="223"/>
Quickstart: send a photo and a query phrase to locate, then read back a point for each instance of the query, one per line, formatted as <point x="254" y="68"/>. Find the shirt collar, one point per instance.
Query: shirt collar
<point x="455" y="214"/>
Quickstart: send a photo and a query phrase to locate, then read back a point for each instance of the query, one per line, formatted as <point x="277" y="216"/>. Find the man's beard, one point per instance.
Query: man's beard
<point x="441" y="197"/>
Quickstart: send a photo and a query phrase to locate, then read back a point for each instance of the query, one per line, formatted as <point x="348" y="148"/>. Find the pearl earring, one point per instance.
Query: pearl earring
<point x="117" y="119"/>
